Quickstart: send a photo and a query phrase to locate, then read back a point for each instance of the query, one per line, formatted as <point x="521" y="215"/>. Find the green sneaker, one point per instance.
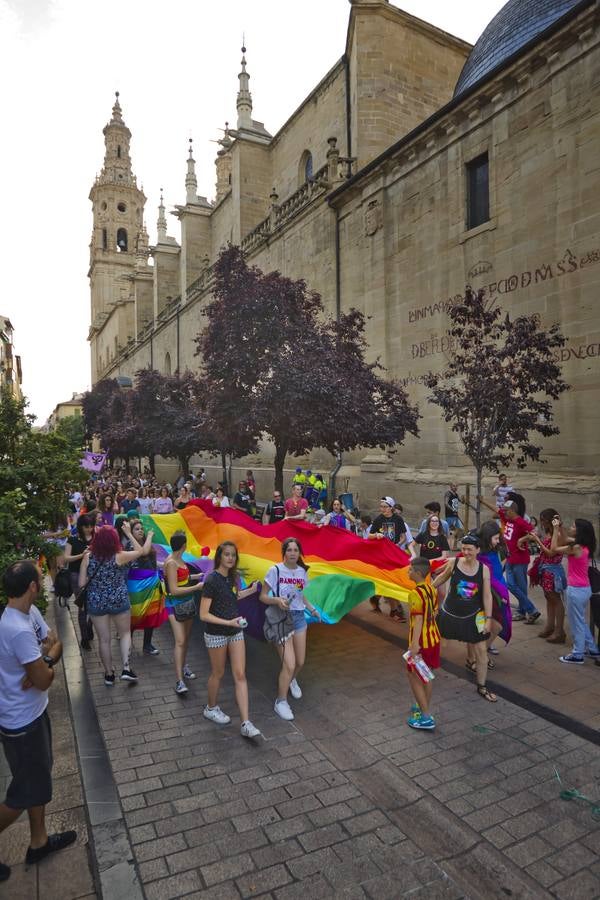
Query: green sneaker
<point x="415" y="711"/>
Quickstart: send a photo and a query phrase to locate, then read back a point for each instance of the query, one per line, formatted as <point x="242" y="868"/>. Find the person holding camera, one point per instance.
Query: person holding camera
<point x="28" y="653"/>
<point x="224" y="635"/>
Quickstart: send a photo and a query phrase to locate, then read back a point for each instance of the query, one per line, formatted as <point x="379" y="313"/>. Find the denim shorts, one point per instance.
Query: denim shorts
<point x="298" y="619"/>
<point x="213" y="641"/>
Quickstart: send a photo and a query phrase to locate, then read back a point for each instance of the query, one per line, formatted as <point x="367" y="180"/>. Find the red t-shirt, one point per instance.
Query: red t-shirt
<point x="294" y="507"/>
<point x="512" y="531"/>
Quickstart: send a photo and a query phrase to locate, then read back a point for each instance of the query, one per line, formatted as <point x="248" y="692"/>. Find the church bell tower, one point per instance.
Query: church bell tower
<point x="118" y="229"/>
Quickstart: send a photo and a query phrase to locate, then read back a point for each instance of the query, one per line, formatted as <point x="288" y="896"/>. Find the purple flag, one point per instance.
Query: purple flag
<point x="93" y="462"/>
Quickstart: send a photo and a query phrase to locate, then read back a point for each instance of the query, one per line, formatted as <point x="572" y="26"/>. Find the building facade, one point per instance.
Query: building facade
<point x="416" y="166"/>
<point x="11" y="375"/>
<point x="64" y="410"/>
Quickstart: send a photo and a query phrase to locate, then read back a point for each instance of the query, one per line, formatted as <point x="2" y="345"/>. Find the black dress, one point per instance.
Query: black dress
<point x="461" y="614"/>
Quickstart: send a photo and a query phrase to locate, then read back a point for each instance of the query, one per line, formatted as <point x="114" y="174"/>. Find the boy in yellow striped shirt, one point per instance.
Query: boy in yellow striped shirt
<point x="423" y="640"/>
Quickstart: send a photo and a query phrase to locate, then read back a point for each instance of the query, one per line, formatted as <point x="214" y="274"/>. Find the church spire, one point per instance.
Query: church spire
<point x="161" y="223"/>
<point x="191" y="182"/>
<point x="244" y="97"/>
<point x="117" y="161"/>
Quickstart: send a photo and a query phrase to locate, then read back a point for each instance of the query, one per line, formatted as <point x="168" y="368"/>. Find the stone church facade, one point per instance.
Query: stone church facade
<point x="419" y="164"/>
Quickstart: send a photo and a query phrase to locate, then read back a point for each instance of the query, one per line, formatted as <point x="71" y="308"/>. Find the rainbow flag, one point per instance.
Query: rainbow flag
<point x="344" y="569"/>
<point x="147" y="598"/>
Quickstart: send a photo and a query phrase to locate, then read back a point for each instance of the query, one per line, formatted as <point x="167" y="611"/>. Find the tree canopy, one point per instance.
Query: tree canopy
<point x="274" y="363"/>
<point x="498" y="389"/>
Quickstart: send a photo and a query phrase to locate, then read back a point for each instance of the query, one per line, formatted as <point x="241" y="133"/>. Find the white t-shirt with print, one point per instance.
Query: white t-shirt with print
<point x="20" y="638"/>
<point x="291" y="584"/>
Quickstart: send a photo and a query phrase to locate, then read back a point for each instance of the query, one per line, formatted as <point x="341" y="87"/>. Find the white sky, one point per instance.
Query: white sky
<point x="176" y="67"/>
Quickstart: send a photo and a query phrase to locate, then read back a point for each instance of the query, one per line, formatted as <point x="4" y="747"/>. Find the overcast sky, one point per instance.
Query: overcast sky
<point x="176" y="67"/>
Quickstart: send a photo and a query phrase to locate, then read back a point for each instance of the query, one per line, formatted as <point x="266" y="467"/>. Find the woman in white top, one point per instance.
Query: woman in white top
<point x="220" y="499"/>
<point x="284" y="587"/>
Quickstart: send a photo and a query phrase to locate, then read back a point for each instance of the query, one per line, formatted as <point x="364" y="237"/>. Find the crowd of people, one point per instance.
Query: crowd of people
<point x="463" y="582"/>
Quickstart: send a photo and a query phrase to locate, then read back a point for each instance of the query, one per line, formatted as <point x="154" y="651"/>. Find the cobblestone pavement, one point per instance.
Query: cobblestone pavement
<point x="346" y="801"/>
<point x="528" y="665"/>
<point x="69" y="874"/>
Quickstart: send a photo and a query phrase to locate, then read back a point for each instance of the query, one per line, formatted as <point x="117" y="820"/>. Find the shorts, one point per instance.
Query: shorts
<point x="28" y="752"/>
<point x="431" y="655"/>
<point x="299" y="620"/>
<point x="213" y="641"/>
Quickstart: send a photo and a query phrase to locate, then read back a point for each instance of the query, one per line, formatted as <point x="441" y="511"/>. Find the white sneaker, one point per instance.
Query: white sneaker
<point x="248" y="730"/>
<point x="216" y="714"/>
<point x="181" y="687"/>
<point x="295" y="689"/>
<point x="283" y="710"/>
<point x="187" y="673"/>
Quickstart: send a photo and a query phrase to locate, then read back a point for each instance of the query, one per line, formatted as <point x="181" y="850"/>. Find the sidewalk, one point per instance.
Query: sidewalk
<point x="346" y="801"/>
<point x="67" y="875"/>
<point x="528" y="665"/>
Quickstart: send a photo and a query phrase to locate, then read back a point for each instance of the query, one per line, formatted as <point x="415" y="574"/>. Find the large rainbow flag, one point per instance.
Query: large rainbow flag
<point x="344" y="569"/>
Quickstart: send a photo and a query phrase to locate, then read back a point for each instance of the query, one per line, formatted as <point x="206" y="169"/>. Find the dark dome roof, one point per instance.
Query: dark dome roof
<point x="517" y="23"/>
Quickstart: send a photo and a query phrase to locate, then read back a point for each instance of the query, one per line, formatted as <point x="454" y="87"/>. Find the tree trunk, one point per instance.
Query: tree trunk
<point x="151" y="463"/>
<point x="280" y="455"/>
<point x="230" y="473"/>
<point x="224" y="467"/>
<point x="478" y="507"/>
<point x="184" y="462"/>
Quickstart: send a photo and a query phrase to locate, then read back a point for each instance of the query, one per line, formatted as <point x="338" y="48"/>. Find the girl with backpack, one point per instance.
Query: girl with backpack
<point x="283" y="587"/>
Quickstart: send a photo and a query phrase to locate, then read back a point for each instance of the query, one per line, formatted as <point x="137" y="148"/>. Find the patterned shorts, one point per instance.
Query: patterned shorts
<point x="213" y="641"/>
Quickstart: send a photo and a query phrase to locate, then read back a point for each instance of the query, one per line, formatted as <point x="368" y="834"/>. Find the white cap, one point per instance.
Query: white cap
<point x="390" y="501"/>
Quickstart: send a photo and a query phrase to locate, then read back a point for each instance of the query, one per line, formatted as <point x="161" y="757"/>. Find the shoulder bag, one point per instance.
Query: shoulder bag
<point x="279" y="624"/>
<point x="81" y="595"/>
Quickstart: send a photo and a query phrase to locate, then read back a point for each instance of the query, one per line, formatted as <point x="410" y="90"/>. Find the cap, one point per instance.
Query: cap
<point x="298" y="469"/>
<point x="471" y="539"/>
<point x="390" y="501"/>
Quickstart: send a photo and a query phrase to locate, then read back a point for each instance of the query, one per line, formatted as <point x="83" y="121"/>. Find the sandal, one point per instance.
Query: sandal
<point x="491" y="664"/>
<point x="471" y="666"/>
<point x="487" y="695"/>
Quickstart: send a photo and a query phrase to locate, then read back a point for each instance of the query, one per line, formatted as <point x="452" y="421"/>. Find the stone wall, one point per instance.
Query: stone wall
<point x="321" y="115"/>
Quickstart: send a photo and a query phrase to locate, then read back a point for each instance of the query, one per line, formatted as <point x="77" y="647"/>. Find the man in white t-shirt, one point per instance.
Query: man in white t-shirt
<point x="28" y="652"/>
<point x="501" y="490"/>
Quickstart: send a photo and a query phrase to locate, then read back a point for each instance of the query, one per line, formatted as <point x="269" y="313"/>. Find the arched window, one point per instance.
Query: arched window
<point x="305" y="171"/>
<point x="119" y="151"/>
<point x="167" y="363"/>
<point x="104" y="239"/>
<point x="122" y="240"/>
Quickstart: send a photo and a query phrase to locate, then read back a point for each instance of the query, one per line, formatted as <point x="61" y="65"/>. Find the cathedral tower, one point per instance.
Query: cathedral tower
<point x="118" y="229"/>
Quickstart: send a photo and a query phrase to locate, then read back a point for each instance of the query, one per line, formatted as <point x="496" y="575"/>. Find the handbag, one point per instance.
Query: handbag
<point x="82" y="594"/>
<point x="185" y="610"/>
<point x="279" y="624"/>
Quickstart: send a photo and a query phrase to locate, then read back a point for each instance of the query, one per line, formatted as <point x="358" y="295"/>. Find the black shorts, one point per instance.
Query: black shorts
<point x="28" y="752"/>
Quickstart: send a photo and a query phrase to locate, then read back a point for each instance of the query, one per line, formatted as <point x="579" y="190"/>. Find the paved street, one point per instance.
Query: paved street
<point x="344" y="802"/>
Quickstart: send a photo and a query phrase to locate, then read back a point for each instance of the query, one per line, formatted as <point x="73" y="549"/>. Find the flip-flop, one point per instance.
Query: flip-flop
<point x="471" y="666"/>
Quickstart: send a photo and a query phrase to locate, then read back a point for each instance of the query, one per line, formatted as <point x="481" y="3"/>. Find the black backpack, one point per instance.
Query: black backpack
<point x="62" y="584"/>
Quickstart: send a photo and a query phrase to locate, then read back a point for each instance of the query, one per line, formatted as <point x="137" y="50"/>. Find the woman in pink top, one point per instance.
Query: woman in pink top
<point x="579" y="546"/>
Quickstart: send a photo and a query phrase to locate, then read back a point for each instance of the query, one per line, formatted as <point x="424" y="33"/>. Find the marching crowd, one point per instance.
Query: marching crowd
<point x="462" y="586"/>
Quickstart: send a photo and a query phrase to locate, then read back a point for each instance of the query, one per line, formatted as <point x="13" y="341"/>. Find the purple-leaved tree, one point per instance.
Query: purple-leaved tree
<point x="497" y="390"/>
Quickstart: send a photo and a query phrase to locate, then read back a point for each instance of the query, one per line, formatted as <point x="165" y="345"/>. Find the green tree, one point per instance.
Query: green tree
<point x="35" y="471"/>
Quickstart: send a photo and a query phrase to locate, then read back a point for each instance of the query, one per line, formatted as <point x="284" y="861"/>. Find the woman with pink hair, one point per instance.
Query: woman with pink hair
<point x="104" y="572"/>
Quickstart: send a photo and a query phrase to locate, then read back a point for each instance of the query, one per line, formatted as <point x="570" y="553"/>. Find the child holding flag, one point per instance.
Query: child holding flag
<point x="423" y="641"/>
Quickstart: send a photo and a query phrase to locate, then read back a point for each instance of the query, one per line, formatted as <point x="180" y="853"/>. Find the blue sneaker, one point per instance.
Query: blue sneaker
<point x="593" y="654"/>
<point x="573" y="660"/>
<point x="427" y="723"/>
